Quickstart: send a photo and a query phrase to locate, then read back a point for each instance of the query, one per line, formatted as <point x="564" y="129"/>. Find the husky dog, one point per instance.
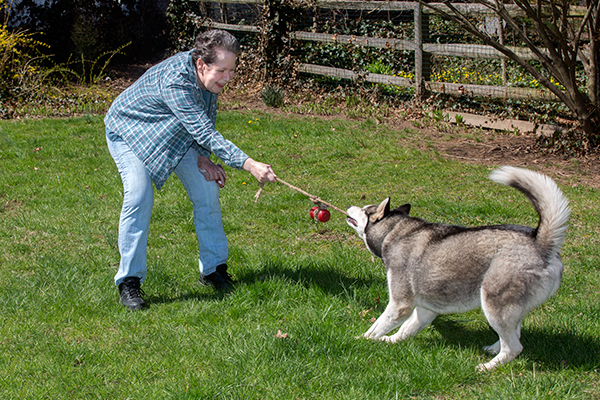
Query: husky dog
<point x="432" y="269"/>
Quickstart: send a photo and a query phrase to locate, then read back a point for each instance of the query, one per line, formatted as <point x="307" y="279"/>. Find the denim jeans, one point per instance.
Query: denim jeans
<point x="138" y="200"/>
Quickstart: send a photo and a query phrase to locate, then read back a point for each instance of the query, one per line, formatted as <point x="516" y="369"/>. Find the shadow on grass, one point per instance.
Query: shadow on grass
<point x="211" y="295"/>
<point x="312" y="275"/>
<point x="555" y="351"/>
<point x="326" y="278"/>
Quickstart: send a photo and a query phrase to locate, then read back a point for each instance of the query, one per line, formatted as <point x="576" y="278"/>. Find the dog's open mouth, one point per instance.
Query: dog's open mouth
<point x="352" y="221"/>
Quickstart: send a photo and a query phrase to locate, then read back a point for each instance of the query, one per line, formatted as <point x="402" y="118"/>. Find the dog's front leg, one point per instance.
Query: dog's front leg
<point x="419" y="319"/>
<point x="393" y="316"/>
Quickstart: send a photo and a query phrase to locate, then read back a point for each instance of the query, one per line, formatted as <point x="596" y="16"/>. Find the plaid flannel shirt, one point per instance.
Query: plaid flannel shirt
<point x="164" y="113"/>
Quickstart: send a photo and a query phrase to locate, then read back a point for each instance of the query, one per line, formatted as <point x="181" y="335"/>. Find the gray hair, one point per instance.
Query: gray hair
<point x="207" y="44"/>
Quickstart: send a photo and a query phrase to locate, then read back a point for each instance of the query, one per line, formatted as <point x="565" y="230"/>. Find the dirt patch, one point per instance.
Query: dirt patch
<point x="523" y="151"/>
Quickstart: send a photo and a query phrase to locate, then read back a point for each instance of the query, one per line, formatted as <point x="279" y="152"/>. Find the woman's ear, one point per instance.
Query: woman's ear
<point x="200" y="65"/>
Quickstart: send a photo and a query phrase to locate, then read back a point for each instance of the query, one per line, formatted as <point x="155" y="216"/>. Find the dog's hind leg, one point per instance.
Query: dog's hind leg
<point x="506" y="320"/>
<point x="510" y="348"/>
<point x="495" y="348"/>
<point x="419" y="319"/>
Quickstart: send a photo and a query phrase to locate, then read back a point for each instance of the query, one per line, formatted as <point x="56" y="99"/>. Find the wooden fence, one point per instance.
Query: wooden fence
<point x="418" y="45"/>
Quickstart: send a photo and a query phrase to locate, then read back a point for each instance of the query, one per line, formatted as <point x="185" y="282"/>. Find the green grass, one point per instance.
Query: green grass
<point x="63" y="334"/>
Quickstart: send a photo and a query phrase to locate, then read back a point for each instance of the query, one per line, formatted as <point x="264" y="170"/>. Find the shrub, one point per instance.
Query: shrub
<point x="272" y="96"/>
<point x="20" y="60"/>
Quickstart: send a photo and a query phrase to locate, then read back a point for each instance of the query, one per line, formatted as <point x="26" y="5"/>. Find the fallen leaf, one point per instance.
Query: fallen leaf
<point x="364" y="313"/>
<point x="281" y="335"/>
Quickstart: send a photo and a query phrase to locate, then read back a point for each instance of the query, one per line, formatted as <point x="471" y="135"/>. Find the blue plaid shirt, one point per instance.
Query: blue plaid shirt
<point x="164" y="113"/>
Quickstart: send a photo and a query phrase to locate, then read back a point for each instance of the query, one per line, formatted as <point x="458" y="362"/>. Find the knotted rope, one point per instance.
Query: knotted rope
<point x="316" y="200"/>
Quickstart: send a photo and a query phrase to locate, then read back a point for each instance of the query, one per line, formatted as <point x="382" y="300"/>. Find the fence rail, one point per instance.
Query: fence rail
<point x="473" y="9"/>
<point x="421" y="81"/>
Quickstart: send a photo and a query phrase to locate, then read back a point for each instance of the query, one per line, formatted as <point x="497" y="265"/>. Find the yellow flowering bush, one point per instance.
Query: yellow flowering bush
<point x="20" y="59"/>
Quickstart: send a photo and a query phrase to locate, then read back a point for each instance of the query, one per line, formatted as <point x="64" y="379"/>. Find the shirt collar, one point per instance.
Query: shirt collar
<point x="191" y="70"/>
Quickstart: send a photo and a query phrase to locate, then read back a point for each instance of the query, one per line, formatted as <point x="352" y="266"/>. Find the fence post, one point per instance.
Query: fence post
<point x="223" y="10"/>
<point x="502" y="60"/>
<point x="422" y="59"/>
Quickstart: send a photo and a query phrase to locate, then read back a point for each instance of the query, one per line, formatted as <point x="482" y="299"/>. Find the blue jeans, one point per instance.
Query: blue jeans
<point x="138" y="199"/>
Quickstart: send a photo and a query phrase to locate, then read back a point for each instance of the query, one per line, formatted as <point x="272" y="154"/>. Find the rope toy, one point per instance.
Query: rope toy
<point x="318" y="213"/>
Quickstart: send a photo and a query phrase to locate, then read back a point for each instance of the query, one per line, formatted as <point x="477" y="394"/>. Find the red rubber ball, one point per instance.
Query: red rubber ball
<point x="324" y="215"/>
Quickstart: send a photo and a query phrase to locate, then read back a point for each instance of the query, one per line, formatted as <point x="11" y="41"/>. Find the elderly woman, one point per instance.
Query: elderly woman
<point x="163" y="123"/>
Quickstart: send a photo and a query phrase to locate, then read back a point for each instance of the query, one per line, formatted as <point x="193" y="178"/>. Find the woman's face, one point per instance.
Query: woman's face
<point x="214" y="77"/>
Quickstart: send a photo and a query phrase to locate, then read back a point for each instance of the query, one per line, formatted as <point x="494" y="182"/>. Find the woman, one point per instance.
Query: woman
<point x="163" y="123"/>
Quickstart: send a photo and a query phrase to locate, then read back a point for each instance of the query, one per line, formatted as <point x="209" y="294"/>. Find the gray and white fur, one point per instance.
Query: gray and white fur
<point x="433" y="268"/>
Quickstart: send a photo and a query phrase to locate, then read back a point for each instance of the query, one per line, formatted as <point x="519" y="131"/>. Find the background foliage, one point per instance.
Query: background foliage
<point x="76" y="39"/>
<point x="75" y="28"/>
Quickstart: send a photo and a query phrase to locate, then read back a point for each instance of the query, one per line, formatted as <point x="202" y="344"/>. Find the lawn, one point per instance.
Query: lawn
<point x="305" y="290"/>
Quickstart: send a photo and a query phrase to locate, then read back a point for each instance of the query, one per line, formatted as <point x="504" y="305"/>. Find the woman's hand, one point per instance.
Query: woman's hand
<point x="262" y="172"/>
<point x="212" y="171"/>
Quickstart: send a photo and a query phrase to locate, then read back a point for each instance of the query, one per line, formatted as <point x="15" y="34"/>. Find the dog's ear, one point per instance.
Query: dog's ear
<point x="382" y="210"/>
<point x="405" y="208"/>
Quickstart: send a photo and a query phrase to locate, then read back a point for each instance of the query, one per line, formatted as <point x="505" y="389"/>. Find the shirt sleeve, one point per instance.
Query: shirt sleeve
<point x="186" y="105"/>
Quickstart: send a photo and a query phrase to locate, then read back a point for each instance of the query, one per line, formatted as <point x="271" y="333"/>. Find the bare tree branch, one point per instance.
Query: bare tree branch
<point x="559" y="49"/>
<point x="460" y="18"/>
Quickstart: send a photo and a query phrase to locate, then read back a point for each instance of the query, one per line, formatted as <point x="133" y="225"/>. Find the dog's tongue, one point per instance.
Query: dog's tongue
<point x="352" y="221"/>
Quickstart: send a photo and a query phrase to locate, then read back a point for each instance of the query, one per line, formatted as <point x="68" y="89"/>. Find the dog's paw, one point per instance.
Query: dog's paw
<point x="486" y="367"/>
<point x="372" y="336"/>
<point x="387" y="339"/>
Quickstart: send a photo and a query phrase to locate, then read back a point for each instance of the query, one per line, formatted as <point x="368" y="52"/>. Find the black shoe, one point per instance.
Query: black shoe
<point x="130" y="293"/>
<point x="222" y="270"/>
<point x="219" y="279"/>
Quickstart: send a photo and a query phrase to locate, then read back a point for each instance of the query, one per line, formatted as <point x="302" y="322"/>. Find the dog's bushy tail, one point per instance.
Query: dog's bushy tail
<point x="547" y="199"/>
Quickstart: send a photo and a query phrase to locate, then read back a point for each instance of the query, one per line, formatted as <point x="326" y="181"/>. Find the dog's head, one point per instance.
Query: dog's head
<point x="365" y="220"/>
